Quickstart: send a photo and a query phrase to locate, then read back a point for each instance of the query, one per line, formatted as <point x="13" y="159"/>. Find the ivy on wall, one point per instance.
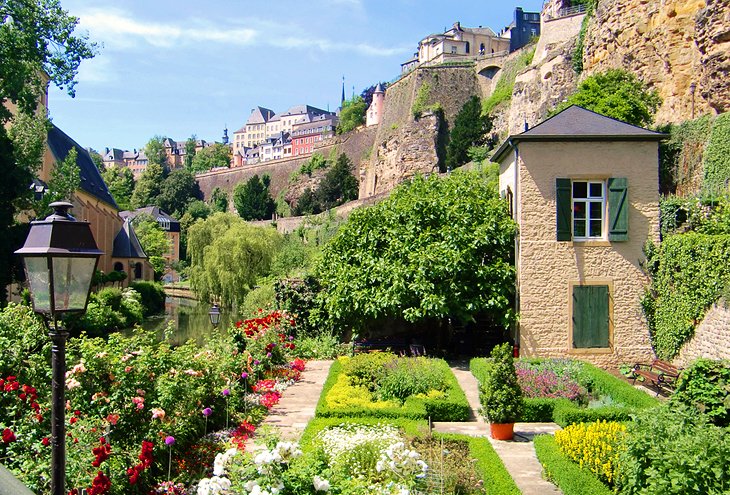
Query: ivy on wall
<point x="680" y="166"/>
<point x="505" y="84"/>
<point x="580" y="45"/>
<point x="717" y="157"/>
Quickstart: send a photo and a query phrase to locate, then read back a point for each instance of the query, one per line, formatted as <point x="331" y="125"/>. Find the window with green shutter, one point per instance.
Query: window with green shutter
<point x="581" y="209"/>
<point x="590" y="316"/>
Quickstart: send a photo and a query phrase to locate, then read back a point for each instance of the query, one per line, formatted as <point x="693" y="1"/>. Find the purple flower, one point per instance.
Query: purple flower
<point x="256" y="362"/>
<point x="268" y="354"/>
<point x="169" y="440"/>
<point x="244" y="375"/>
<point x="226" y="392"/>
<point x="207" y="411"/>
<point x="291" y="337"/>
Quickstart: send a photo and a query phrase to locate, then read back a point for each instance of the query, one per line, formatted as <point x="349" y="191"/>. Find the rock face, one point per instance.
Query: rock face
<point x="668" y="44"/>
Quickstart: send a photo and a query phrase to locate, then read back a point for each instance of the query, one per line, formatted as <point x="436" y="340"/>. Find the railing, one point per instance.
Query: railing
<point x="567" y="12"/>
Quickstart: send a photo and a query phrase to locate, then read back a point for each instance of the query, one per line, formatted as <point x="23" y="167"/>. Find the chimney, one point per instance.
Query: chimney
<point x="527" y="126"/>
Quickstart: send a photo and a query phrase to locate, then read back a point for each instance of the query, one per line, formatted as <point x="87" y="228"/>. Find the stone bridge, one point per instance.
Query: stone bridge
<point x="487" y="68"/>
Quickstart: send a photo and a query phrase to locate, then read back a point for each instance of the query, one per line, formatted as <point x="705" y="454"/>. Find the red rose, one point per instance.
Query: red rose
<point x="46" y="441"/>
<point x="8" y="435"/>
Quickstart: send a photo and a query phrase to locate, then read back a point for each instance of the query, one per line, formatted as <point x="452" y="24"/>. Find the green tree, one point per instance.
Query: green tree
<point x="196" y="210"/>
<point x="338" y="185"/>
<point x="227" y="256"/>
<point x="190" y="152"/>
<point x="120" y="181"/>
<point x="36" y="37"/>
<point x="219" y="200"/>
<point x="155" y="152"/>
<point x="148" y="187"/>
<point x="64" y="181"/>
<point x="154" y="241"/>
<point x="306" y="204"/>
<point x="352" y="115"/>
<point x="253" y="200"/>
<point x="97" y="159"/>
<point x="216" y="155"/>
<point x="618" y="94"/>
<point x="179" y="189"/>
<point x="436" y="247"/>
<point x="470" y="129"/>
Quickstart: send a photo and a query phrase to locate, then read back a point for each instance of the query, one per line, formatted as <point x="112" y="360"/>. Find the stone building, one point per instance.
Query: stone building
<point x="583" y="189"/>
<point x="171" y="227"/>
<point x="304" y="136"/>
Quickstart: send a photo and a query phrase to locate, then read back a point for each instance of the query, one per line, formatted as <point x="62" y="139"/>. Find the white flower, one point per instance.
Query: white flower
<point x="204" y="487"/>
<point x="320" y="485"/>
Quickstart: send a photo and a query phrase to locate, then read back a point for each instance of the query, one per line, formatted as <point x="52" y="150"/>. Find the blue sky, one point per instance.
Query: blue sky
<point x="178" y="67"/>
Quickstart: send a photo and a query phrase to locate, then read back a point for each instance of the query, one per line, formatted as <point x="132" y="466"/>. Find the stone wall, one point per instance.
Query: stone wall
<point x="356" y="145"/>
<point x="710" y="339"/>
<point x="668" y="44"/>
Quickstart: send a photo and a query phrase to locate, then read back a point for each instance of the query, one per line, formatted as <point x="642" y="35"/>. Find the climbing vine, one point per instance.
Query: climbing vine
<point x="580" y="45"/>
<point x="505" y="84"/>
<point x="717" y="157"/>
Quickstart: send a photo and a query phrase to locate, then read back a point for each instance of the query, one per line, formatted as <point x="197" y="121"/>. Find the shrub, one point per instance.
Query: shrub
<point x="322" y="346"/>
<point x="500" y="394"/>
<point x="548" y="384"/>
<point x="570" y="478"/>
<point x="153" y="296"/>
<point x="110" y="296"/>
<point x="404" y="377"/>
<point x="673" y="450"/>
<point x="594" y="446"/>
<point x="367" y="369"/>
<point x="705" y="385"/>
<point x="488" y="464"/>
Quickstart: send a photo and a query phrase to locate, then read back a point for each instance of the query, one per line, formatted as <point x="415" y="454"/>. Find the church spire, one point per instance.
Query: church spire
<point x="343" y="91"/>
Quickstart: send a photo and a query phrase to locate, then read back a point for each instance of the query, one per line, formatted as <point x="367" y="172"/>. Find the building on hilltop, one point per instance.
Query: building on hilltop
<point x="300" y="114"/>
<point x="136" y="160"/>
<point x="305" y="135"/>
<point x="584" y="191"/>
<point x="525" y="27"/>
<point x="276" y="147"/>
<point x="254" y="130"/>
<point x="374" y="113"/>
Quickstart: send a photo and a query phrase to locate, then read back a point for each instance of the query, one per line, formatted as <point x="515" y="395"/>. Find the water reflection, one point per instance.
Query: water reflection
<point x="190" y="320"/>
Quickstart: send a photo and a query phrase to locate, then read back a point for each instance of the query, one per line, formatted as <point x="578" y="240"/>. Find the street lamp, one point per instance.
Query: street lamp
<point x="60" y="257"/>
<point x="692" y="89"/>
<point x="215" y="315"/>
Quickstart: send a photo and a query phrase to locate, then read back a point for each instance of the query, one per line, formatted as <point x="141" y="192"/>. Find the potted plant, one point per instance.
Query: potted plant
<point x="501" y="395"/>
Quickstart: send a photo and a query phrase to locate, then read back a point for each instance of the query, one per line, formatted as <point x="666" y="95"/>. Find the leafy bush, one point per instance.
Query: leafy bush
<point x="717" y="156"/>
<point x="403" y="377"/>
<point x="491" y="469"/>
<point x="420" y="102"/>
<point x="322" y="346"/>
<point x="706" y="386"/>
<point x="681" y="156"/>
<point x="366" y="369"/>
<point x="110" y="296"/>
<point x="500" y="394"/>
<point x="594" y="446"/>
<point x="567" y="475"/>
<point x="153" y="296"/>
<point x="546" y="383"/>
<point x="673" y="450"/>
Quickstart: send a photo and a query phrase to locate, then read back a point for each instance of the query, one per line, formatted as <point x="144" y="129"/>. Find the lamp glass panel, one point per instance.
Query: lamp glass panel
<point x="39" y="280"/>
<point x="215" y="316"/>
<point x="71" y="282"/>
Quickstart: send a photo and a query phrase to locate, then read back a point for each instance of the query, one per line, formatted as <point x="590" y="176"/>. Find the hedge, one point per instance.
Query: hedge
<point x="454" y="407"/>
<point x="497" y="480"/>
<point x="564" y="412"/>
<point x="153" y="296"/>
<point x="566" y="474"/>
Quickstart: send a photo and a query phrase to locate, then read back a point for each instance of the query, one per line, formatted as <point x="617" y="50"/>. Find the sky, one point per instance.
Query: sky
<point x="178" y="68"/>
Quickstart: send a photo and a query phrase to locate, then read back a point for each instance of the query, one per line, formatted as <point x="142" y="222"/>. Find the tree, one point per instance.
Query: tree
<point x="179" y="189"/>
<point x="148" y="186"/>
<point x="227" y="255"/>
<point x="97" y="159"/>
<point x="338" y="185"/>
<point x="436" y="247"/>
<point x="156" y="154"/>
<point x="470" y="129"/>
<point x="190" y="151"/>
<point x="217" y="155"/>
<point x="219" y="200"/>
<point x="120" y="181"/>
<point x="352" y="115"/>
<point x="306" y="204"/>
<point x="153" y="240"/>
<point x="618" y="94"/>
<point x="196" y="210"/>
<point x="253" y="200"/>
<point x="36" y="37"/>
<point x="64" y="181"/>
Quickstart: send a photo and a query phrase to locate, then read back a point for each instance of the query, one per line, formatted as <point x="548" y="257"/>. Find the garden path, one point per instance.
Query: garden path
<point x="298" y="403"/>
<point x="518" y="455"/>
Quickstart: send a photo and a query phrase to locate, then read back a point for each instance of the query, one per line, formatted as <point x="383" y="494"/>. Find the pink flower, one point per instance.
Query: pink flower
<point x="169" y="440"/>
<point x="138" y="401"/>
<point x="207" y="411"/>
<point x="72" y="383"/>
<point x="158" y="413"/>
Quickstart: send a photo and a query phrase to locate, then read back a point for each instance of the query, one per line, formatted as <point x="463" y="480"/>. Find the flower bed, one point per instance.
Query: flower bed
<point x="136" y="409"/>
<point x="559" y="390"/>
<point x="386" y="386"/>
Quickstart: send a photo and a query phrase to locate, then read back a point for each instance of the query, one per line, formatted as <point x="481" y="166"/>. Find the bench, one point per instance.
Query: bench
<point x="660" y="374"/>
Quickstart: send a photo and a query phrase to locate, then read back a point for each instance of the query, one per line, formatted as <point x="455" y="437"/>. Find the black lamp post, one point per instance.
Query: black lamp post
<point x="215" y="315"/>
<point x="692" y="89"/>
<point x="60" y="257"/>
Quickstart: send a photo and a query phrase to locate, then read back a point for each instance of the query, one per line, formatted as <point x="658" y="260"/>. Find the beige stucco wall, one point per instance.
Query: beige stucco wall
<point x="710" y="339"/>
<point x="548" y="269"/>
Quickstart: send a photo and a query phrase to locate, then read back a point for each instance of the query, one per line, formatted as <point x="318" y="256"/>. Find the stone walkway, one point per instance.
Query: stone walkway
<point x="298" y="403"/>
<point x="517" y="455"/>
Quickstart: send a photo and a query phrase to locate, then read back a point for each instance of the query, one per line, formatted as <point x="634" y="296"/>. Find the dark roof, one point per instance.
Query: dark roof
<point x="126" y="244"/>
<point x="579" y="124"/>
<point x="60" y="144"/>
<point x="260" y="115"/>
<point x="163" y="218"/>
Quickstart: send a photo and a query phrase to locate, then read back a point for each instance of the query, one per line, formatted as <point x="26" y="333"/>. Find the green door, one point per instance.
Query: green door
<point x="590" y="316"/>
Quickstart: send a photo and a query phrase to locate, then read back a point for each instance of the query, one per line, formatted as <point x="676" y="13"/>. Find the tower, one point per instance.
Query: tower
<point x="225" y="135"/>
<point x="375" y="111"/>
<point x="342" y="102"/>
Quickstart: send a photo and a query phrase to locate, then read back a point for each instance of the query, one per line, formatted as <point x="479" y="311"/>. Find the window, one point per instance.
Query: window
<point x="453" y="49"/>
<point x="591" y="317"/>
<point x="592" y="209"/>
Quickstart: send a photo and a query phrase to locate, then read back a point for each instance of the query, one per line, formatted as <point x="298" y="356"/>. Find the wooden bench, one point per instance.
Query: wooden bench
<point x="660" y="374"/>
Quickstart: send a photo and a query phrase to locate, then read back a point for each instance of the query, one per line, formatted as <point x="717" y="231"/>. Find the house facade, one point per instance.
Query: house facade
<point x="306" y="135"/>
<point x="583" y="189"/>
<point x="459" y="42"/>
<point x="171" y="227"/>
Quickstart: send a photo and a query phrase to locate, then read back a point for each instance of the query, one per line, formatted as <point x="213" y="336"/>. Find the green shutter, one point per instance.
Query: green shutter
<point x="563" y="209"/>
<point x="590" y="316"/>
<point x="618" y="209"/>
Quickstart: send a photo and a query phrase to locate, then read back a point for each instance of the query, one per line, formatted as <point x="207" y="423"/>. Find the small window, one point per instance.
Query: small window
<point x="588" y="209"/>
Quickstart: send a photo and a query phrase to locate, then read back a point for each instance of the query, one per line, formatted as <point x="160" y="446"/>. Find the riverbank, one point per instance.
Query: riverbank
<point x="177" y="291"/>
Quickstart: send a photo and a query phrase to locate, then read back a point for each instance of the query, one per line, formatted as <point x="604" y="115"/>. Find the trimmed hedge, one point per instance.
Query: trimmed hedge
<point x="497" y="480"/>
<point x="566" y="474"/>
<point x="409" y="426"/>
<point x="454" y="407"/>
<point x="153" y="296"/>
<point x="564" y="412"/>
